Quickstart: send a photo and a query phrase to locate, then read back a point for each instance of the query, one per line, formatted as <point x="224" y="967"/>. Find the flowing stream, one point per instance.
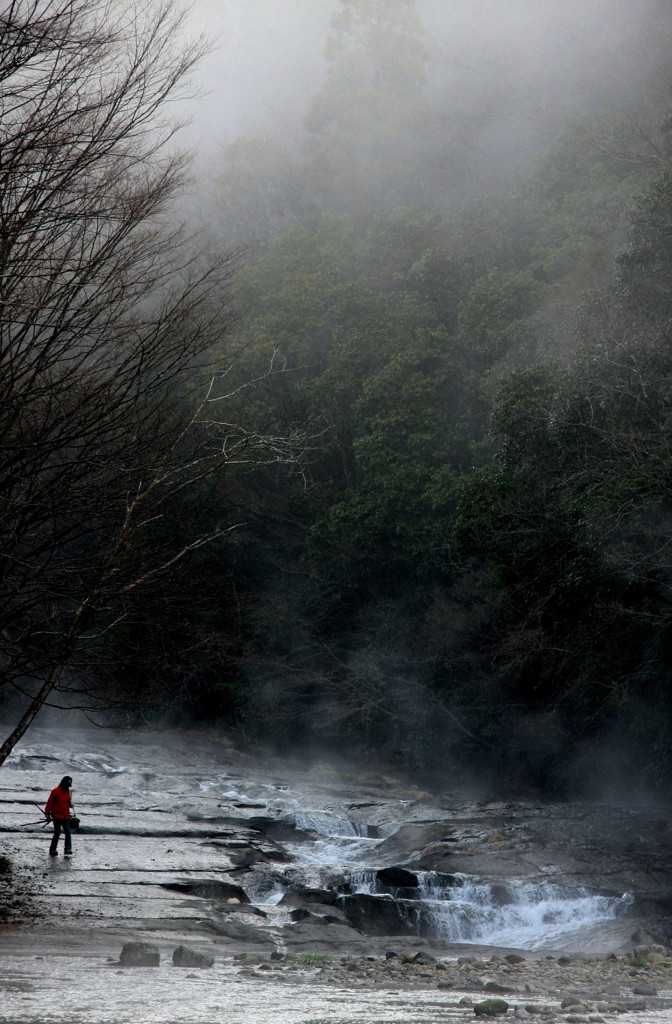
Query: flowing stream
<point x="172" y="823"/>
<point x="457" y="908"/>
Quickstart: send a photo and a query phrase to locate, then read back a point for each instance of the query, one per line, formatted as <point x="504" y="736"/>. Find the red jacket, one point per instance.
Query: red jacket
<point x="58" y="804"/>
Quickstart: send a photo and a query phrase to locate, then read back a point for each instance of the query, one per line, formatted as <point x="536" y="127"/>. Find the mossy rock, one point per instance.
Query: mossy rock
<point x="491" y="1007"/>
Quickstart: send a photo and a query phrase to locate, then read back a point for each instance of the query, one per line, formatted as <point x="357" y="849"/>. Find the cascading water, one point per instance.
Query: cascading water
<point x="460" y="909"/>
<point x="339" y="840"/>
<point x="455" y="908"/>
<point x="328" y="824"/>
<point x="333" y="851"/>
<point x="517" y="914"/>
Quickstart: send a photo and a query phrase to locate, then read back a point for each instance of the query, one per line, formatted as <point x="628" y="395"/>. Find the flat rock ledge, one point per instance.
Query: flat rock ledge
<point x="564" y="988"/>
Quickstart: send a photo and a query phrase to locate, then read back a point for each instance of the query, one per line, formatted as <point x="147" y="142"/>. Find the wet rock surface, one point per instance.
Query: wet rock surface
<point x="273" y="874"/>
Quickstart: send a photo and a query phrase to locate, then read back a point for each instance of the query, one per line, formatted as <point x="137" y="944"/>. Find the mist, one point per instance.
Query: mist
<point x="356" y="541"/>
<point x="501" y="78"/>
<point x="424" y="215"/>
<point x="266" y="59"/>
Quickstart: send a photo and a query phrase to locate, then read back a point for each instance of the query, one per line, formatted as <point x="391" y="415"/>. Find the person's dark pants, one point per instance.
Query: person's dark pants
<point x="61" y="825"/>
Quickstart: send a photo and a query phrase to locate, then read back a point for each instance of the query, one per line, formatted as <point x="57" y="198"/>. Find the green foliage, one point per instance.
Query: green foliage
<point x="444" y="451"/>
<point x="313" y="959"/>
<point x="646" y="267"/>
<point x="492" y="316"/>
<point x="473" y="555"/>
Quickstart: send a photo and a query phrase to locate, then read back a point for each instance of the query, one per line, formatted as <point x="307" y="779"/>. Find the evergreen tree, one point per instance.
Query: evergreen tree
<point x="365" y="123"/>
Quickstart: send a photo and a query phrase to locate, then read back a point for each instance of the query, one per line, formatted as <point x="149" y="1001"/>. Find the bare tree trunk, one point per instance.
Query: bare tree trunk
<point x="29" y="714"/>
<point x="105" y="313"/>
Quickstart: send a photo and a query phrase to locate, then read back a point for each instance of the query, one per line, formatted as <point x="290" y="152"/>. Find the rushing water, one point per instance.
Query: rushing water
<point x="159" y="810"/>
<point x="517" y="914"/>
<point x="456" y="908"/>
<point x="329" y="847"/>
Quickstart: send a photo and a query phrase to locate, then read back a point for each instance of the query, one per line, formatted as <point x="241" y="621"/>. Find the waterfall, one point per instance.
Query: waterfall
<point x="327" y="824"/>
<point x="458" y="908"/>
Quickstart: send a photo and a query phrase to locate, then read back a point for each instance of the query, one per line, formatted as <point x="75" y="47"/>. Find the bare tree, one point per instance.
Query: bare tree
<point x="106" y="319"/>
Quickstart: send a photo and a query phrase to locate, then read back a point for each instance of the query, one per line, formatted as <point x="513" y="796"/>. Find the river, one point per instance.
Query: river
<point x="189" y="839"/>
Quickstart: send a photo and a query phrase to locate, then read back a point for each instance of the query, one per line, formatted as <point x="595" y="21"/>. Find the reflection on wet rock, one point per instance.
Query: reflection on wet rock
<point x="186" y="836"/>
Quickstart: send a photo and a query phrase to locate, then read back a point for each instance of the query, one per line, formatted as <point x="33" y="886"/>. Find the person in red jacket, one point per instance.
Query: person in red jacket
<point x="58" y="809"/>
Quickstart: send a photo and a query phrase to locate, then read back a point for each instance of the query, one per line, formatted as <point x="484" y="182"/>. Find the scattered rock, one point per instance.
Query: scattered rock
<point x="423" y="958"/>
<point x="139" y="954"/>
<point x="645" y="988"/>
<point x="652" y="954"/>
<point x="496" y="986"/>
<point x="184" y="957"/>
<point x="491" y="1007"/>
<point x="571" y="999"/>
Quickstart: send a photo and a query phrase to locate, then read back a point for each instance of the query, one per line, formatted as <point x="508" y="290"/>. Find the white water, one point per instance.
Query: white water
<point x="458" y="908"/>
<point x="326" y="823"/>
<point x="537" y="916"/>
<point x="329" y="846"/>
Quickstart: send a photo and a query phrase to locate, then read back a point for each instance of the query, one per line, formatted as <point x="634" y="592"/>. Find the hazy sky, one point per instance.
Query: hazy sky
<point x="267" y="59"/>
<point x="533" y="55"/>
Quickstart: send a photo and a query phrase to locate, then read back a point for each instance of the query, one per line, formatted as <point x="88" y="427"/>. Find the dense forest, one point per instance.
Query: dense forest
<point x="434" y="517"/>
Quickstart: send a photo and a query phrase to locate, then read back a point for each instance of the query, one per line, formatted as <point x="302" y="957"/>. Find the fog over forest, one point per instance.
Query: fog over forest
<point x="356" y="433"/>
<point x="523" y="66"/>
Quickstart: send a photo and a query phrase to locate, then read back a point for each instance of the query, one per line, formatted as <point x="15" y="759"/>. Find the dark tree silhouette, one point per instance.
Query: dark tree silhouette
<point x="107" y="408"/>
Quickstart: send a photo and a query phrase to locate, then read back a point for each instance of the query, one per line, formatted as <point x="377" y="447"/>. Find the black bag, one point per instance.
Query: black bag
<point x="74" y="824"/>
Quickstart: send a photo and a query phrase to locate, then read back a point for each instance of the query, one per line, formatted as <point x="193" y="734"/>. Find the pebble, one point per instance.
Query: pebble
<point x="579" y="992"/>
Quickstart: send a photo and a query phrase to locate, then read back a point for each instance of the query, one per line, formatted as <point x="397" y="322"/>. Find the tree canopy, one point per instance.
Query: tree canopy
<point x="469" y="560"/>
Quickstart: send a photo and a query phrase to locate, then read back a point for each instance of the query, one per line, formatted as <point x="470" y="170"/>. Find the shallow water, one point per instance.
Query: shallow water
<point x="95" y="993"/>
<point x="163" y="808"/>
<point x="109" y="995"/>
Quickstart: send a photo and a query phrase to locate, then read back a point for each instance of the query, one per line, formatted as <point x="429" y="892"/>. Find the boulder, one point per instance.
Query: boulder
<point x="376" y="915"/>
<point x="571" y="999"/>
<point x="397" y="878"/>
<point x="491" y="1007"/>
<point x="497" y="986"/>
<point x="652" y="954"/>
<point x="184" y="957"/>
<point x="645" y="988"/>
<point x="305" y="894"/>
<point x="423" y="958"/>
<point x="139" y="954"/>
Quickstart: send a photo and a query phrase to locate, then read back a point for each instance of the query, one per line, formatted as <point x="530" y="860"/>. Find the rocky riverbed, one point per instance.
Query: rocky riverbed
<point x="317" y="891"/>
